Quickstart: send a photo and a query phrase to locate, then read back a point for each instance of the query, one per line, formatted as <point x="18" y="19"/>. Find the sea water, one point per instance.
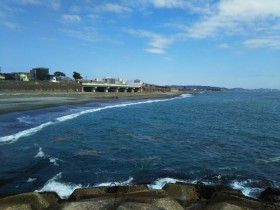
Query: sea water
<point x="229" y="138"/>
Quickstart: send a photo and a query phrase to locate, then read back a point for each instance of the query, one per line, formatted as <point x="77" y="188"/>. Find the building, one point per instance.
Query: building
<point x="109" y="80"/>
<point x="23" y="77"/>
<point x="39" y="73"/>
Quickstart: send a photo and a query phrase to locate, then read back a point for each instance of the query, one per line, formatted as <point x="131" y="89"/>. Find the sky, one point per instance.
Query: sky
<point x="225" y="43"/>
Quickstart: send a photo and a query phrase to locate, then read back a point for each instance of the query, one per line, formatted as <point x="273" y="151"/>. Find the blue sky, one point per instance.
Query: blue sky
<point x="227" y="43"/>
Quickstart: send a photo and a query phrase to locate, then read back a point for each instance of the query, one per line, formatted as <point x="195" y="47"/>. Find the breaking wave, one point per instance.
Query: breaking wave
<point x="64" y="190"/>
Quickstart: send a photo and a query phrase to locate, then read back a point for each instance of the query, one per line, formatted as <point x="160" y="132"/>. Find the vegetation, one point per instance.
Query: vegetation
<point x="77" y="75"/>
<point x="59" y="74"/>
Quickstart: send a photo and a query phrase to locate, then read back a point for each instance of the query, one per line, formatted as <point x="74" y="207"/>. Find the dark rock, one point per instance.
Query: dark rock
<point x="138" y="206"/>
<point x="86" y="193"/>
<point x="94" y="204"/>
<point x="270" y="195"/>
<point x="182" y="193"/>
<point x="34" y="199"/>
<point x="235" y="198"/>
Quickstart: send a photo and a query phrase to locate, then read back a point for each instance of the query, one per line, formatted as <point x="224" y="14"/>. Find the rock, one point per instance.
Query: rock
<point x="233" y="197"/>
<point x="168" y="204"/>
<point x="86" y="193"/>
<point x="147" y="193"/>
<point x="138" y="206"/>
<point x="34" y="199"/>
<point x="182" y="193"/>
<point x="94" y="204"/>
<point x="127" y="189"/>
<point x="270" y="195"/>
<point x="225" y="206"/>
<point x="17" y="207"/>
<point x="51" y="197"/>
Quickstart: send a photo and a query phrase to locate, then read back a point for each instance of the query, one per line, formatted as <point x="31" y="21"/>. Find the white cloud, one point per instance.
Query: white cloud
<point x="237" y="17"/>
<point x="224" y="46"/>
<point x="155" y="51"/>
<point x="167" y="3"/>
<point x="70" y="18"/>
<point x="85" y="35"/>
<point x="54" y="4"/>
<point x="271" y="42"/>
<point x="250" y="18"/>
<point x="9" y="24"/>
<point x="115" y="8"/>
<point x="158" y="42"/>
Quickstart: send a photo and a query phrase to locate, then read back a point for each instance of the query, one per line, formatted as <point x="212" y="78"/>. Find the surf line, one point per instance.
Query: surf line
<point x="31" y="131"/>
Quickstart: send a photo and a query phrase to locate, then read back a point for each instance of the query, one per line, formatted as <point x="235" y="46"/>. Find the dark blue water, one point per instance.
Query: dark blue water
<point x="230" y="138"/>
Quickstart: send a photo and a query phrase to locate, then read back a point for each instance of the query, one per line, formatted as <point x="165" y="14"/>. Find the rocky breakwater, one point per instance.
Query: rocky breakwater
<point x="171" y="197"/>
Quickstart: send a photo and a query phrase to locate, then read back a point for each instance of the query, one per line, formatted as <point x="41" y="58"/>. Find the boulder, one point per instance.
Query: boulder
<point x="86" y="193"/>
<point x="182" y="193"/>
<point x="233" y="197"/>
<point x="270" y="195"/>
<point x="34" y="199"/>
<point x="17" y="207"/>
<point x="147" y="193"/>
<point x="225" y="206"/>
<point x="94" y="204"/>
<point x="168" y="204"/>
<point x="138" y="206"/>
<point x="51" y="197"/>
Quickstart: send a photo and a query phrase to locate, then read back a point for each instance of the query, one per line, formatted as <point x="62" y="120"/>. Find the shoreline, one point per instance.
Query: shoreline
<point x="24" y="101"/>
<point x="175" y="196"/>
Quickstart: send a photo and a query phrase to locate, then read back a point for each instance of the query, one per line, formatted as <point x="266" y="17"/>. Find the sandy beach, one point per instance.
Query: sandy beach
<point x="22" y="101"/>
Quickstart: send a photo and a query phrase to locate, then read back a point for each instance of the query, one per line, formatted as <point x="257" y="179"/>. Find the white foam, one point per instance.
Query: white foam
<point x="159" y="183"/>
<point x="186" y="95"/>
<point x="25" y="119"/>
<point x="64" y="190"/>
<point x="40" y="153"/>
<point x="247" y="191"/>
<point x="14" y="137"/>
<point x="108" y="184"/>
<point x="31" y="179"/>
<point x="272" y="160"/>
<point x="54" y="161"/>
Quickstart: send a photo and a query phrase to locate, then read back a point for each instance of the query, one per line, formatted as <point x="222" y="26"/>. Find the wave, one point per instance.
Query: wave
<point x="40" y="153"/>
<point x="52" y="160"/>
<point x="244" y="186"/>
<point x="271" y="160"/>
<point x="109" y="184"/>
<point x="64" y="190"/>
<point x="160" y="183"/>
<point x="26" y="120"/>
<point x="14" y="137"/>
<point x="31" y="179"/>
<point x="245" y="189"/>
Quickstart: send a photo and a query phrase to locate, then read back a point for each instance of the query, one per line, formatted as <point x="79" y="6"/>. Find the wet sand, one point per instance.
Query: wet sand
<point x="15" y="102"/>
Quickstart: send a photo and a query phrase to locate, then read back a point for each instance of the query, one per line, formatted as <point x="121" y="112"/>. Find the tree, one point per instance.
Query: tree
<point x="77" y="75"/>
<point x="59" y="74"/>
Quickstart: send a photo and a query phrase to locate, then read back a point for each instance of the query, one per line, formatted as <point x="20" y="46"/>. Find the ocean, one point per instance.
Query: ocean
<point x="227" y="138"/>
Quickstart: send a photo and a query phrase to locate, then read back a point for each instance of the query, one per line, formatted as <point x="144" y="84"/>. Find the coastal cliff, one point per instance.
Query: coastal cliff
<point x="171" y="197"/>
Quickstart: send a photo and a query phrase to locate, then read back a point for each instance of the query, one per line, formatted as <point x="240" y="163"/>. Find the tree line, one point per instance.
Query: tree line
<point x="75" y="75"/>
